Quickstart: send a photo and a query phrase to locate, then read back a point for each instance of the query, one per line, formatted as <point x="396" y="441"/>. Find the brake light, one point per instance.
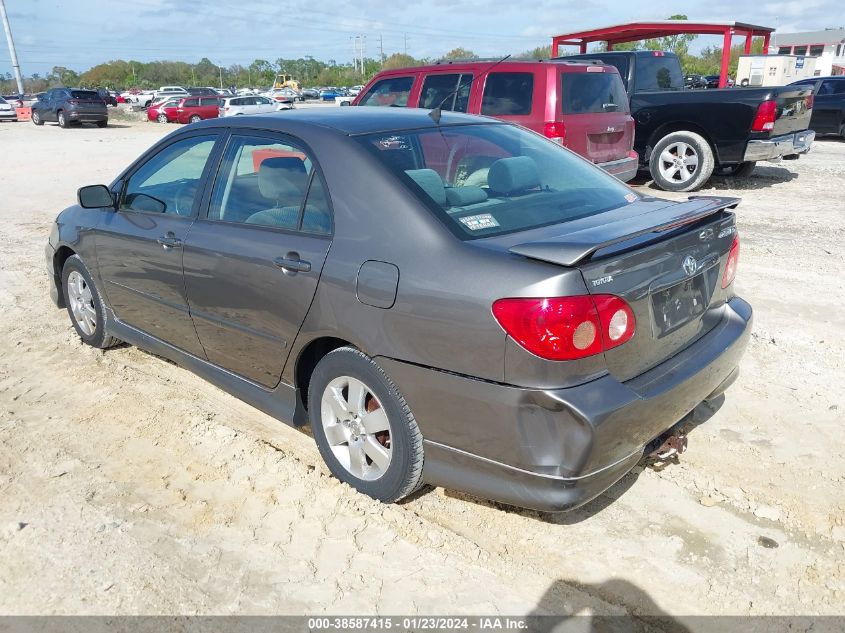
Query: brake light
<point x="809" y="101"/>
<point x="658" y="54"/>
<point x="566" y="328"/>
<point x="555" y="130"/>
<point x="73" y="101"/>
<point x="731" y="265"/>
<point x="765" y="119"/>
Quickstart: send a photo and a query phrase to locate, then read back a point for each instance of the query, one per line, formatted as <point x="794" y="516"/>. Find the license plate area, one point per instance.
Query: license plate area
<point x="677" y="305"/>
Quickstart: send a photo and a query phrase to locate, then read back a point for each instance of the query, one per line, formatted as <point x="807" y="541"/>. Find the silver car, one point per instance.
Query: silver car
<point x="253" y="104"/>
<point x="445" y="298"/>
<point x="7" y="111"/>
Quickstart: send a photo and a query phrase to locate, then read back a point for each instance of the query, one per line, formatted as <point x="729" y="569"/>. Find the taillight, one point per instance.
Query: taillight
<point x="566" y="328"/>
<point x="809" y="100"/>
<point x="555" y="130"/>
<point x="765" y="119"/>
<point x="731" y="264"/>
<point x="73" y="101"/>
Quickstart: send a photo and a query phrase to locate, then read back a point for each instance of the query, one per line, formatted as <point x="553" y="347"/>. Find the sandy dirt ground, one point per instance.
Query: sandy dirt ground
<point x="128" y="485"/>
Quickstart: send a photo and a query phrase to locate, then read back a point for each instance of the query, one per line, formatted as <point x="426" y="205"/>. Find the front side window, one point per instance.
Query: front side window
<point x="507" y="93"/>
<point x="491" y="179"/>
<point x="449" y="92"/>
<point x="269" y="183"/>
<point x="392" y="91"/>
<point x="169" y="181"/>
<point x="591" y="92"/>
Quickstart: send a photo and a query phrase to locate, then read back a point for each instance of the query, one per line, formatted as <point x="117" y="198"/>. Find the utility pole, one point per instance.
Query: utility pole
<point x="406" y="43"/>
<point x="220" y="68"/>
<point x="363" y="44"/>
<point x="15" y="65"/>
<point x="381" y="50"/>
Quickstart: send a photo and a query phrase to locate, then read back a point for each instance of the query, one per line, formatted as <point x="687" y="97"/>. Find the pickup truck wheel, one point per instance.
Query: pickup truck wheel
<point x="363" y="427"/>
<point x="741" y="170"/>
<point x="681" y="161"/>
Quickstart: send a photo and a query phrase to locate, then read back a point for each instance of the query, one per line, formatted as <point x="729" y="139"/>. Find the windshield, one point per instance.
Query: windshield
<point x="492" y="179"/>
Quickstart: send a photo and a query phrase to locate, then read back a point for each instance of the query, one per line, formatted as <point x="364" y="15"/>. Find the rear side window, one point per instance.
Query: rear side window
<point x="209" y="101"/>
<point x="658" y="72"/>
<point x="392" y="91"/>
<point x="586" y="93"/>
<point x="450" y="92"/>
<point x="191" y="103"/>
<point x="507" y="93"/>
<point x="84" y="94"/>
<point x="832" y="88"/>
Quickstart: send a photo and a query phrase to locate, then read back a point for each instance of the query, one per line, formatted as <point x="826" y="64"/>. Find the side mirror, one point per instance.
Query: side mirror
<point x="95" y="197"/>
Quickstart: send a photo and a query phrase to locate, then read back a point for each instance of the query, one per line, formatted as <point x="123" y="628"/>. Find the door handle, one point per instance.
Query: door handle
<point x="292" y="264"/>
<point x="169" y="241"/>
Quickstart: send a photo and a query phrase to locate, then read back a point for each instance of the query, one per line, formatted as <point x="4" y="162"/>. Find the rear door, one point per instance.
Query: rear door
<point x="87" y="102"/>
<point x="252" y="263"/>
<point x="209" y="107"/>
<point x="140" y="246"/>
<point x="594" y="110"/>
<point x="514" y="96"/>
<point x="673" y="286"/>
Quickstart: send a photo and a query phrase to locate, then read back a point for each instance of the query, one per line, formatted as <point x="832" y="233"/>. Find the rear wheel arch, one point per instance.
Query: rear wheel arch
<point x="308" y="358"/>
<point x="679" y="126"/>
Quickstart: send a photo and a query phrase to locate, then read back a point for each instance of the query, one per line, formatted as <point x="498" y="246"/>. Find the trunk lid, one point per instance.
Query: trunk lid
<point x="794" y="109"/>
<point x="667" y="265"/>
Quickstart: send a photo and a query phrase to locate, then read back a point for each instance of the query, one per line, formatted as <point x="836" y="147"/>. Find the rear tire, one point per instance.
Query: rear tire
<point x="681" y="161"/>
<point x="60" y="117"/>
<point x="741" y="170"/>
<point x="196" y="118"/>
<point x="102" y="123"/>
<point x="85" y="305"/>
<point x="162" y="118"/>
<point x="372" y="442"/>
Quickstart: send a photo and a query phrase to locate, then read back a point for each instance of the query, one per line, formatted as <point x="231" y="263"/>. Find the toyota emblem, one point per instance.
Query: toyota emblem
<point x="690" y="265"/>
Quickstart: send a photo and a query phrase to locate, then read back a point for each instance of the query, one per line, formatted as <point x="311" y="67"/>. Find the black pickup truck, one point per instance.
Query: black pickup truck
<point x="684" y="136"/>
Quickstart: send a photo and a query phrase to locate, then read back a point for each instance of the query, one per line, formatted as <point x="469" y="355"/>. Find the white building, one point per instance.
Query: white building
<point x="827" y="46"/>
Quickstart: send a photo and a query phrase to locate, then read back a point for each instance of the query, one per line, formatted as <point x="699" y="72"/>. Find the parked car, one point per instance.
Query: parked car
<point x="205" y="91"/>
<point x="563" y="327"/>
<point x="310" y="93"/>
<point x="16" y="101"/>
<point x="195" y="109"/>
<point x="108" y="98"/>
<point x="828" y="105"/>
<point x="330" y="94"/>
<point x="168" y="91"/>
<point x="692" y="82"/>
<point x="67" y="106"/>
<point x="713" y="81"/>
<point x="684" y="136"/>
<point x="164" y="111"/>
<point x="7" y="111"/>
<point x="256" y="104"/>
<point x="580" y="106"/>
<point x="283" y="95"/>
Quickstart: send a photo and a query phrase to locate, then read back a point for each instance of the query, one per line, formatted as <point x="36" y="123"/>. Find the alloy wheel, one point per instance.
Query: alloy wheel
<point x="678" y="162"/>
<point x="82" y="303"/>
<point x="356" y="427"/>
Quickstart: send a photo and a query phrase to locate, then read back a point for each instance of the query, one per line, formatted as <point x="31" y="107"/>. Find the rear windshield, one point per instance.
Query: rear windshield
<point x="658" y="72"/>
<point x="492" y="179"/>
<point x="507" y="93"/>
<point x="84" y="94"/>
<point x="590" y="92"/>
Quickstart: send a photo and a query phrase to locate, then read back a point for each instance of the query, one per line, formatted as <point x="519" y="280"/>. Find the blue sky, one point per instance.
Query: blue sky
<point x="81" y="33"/>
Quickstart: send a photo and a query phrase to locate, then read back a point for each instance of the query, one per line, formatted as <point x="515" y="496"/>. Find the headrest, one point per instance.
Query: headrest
<point x="513" y="175"/>
<point x="430" y="182"/>
<point x="281" y="176"/>
<point x="462" y="196"/>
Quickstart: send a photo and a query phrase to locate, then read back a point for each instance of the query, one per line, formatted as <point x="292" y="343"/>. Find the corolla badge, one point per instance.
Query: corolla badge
<point x="689" y="265"/>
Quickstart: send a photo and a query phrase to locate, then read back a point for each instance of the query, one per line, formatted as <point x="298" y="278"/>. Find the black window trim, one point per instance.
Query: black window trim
<point x="487" y="77"/>
<point x="279" y="137"/>
<point x="414" y="77"/>
<point x="119" y="185"/>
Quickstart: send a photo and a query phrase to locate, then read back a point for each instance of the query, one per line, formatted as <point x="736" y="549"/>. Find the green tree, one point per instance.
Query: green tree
<point x="460" y="53"/>
<point x="541" y="52"/>
<point x="399" y="60"/>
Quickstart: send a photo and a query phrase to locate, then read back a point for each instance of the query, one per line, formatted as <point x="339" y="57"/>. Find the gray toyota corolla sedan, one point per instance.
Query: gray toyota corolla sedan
<point x="448" y="300"/>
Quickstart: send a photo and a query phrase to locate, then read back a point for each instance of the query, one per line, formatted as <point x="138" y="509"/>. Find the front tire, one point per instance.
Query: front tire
<point x="85" y="305"/>
<point x="102" y="123"/>
<point x="681" y="161"/>
<point x="36" y="119"/>
<point x="363" y="427"/>
<point x="162" y="118"/>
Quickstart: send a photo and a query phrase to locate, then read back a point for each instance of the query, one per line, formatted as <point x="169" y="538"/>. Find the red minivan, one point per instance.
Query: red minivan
<point x="581" y="106"/>
<point x="193" y="109"/>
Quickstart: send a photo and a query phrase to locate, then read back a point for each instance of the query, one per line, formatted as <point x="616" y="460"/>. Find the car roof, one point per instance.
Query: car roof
<point x="357" y="120"/>
<point x="492" y="65"/>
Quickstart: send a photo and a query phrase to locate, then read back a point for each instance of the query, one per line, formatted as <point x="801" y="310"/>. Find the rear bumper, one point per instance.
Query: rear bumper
<point x="779" y="146"/>
<point x="624" y="168"/>
<point x="8" y="115"/>
<point x="556" y="449"/>
<point x="87" y="117"/>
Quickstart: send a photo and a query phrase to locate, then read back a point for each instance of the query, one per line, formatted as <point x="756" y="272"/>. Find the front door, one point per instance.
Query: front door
<point x="139" y="247"/>
<point x="253" y="262"/>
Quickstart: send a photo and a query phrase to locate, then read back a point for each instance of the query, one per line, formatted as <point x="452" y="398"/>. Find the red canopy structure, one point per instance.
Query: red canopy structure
<point x="635" y="31"/>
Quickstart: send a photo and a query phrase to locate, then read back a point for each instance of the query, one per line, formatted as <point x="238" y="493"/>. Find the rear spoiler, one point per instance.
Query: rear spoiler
<point x="570" y="248"/>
